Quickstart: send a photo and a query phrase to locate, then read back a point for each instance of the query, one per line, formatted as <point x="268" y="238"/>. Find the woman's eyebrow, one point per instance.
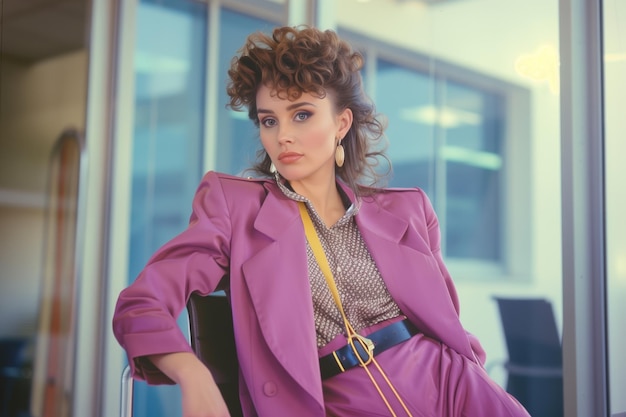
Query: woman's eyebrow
<point x="290" y="107"/>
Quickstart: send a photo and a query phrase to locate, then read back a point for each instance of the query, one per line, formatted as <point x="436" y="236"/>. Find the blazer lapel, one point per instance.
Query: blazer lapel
<point x="277" y="279"/>
<point x="412" y="275"/>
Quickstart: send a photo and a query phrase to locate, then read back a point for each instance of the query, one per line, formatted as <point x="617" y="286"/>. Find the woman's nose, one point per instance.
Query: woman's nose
<point x="285" y="134"/>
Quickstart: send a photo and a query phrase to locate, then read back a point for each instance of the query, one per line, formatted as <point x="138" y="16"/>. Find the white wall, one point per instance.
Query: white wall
<point x="38" y="102"/>
<point x="490" y="36"/>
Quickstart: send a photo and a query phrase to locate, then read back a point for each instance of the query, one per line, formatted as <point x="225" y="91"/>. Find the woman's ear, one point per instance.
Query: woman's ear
<point x="345" y="122"/>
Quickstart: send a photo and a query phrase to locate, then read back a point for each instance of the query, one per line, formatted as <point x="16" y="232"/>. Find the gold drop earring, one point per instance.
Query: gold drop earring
<point x="340" y="155"/>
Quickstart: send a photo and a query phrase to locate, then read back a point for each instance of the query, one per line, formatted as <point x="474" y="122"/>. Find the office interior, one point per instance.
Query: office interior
<point x="508" y="114"/>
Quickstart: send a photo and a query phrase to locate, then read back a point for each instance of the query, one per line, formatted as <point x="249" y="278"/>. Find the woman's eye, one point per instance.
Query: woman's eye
<point x="303" y="115"/>
<point x="268" y="122"/>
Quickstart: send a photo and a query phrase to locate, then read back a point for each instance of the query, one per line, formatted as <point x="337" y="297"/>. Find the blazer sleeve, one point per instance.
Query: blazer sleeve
<point x="434" y="238"/>
<point x="145" y="317"/>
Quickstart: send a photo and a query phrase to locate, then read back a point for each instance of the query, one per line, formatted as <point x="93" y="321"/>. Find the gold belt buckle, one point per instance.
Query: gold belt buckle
<point x="366" y="344"/>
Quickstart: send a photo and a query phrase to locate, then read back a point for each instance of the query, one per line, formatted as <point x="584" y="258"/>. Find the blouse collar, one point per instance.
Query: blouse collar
<point x="352" y="207"/>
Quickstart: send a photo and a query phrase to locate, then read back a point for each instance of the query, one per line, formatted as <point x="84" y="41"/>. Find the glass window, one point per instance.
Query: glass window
<point x="237" y="139"/>
<point x="446" y="138"/>
<point x="168" y="128"/>
<point x="410" y="130"/>
<point x="169" y="69"/>
<point x="471" y="150"/>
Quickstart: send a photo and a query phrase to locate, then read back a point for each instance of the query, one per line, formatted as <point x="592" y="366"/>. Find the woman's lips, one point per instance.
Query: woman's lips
<point x="289" y="157"/>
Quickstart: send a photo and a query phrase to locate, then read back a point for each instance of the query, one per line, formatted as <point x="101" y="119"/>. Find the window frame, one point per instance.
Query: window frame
<point x="516" y="234"/>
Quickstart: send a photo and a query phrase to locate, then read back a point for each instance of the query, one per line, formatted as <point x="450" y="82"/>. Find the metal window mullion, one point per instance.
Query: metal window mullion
<point x="211" y="95"/>
<point x="97" y="358"/>
<point x="584" y="276"/>
<point x="119" y="202"/>
<point x="371" y="70"/>
<point x="440" y="185"/>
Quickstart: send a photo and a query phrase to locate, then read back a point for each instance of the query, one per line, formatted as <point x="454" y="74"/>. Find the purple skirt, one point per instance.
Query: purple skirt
<point x="432" y="380"/>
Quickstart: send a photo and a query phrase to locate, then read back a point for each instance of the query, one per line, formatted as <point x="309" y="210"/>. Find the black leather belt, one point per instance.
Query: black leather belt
<point x="345" y="358"/>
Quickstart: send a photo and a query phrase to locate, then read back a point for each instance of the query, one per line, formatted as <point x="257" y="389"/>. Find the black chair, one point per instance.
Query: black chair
<point x="534" y="366"/>
<point x="15" y="377"/>
<point x="213" y="341"/>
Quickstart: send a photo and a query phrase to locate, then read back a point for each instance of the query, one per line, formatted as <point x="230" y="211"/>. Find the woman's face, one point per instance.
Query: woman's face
<point x="300" y="136"/>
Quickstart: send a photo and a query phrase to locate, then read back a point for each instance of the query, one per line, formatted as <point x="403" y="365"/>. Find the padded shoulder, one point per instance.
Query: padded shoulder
<point x="407" y="203"/>
<point x="238" y="184"/>
<point x="392" y="194"/>
<point x="228" y="177"/>
<point x="239" y="192"/>
<point x="402" y="189"/>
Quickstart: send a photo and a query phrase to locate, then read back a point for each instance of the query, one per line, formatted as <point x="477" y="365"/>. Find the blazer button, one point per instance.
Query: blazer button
<point x="270" y="389"/>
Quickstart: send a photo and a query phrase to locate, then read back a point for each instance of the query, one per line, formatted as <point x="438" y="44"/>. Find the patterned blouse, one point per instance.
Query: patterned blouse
<point x="363" y="293"/>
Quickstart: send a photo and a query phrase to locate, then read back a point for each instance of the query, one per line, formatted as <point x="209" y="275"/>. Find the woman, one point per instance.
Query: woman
<point x="342" y="305"/>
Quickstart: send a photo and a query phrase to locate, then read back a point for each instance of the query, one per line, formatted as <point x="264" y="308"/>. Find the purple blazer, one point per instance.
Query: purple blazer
<point x="248" y="231"/>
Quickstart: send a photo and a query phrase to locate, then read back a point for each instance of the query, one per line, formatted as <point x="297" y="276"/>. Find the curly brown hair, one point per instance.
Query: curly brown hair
<point x="303" y="59"/>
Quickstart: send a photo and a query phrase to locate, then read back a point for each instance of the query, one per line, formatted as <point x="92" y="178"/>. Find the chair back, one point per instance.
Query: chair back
<point x="213" y="341"/>
<point x="535" y="373"/>
<point x="529" y="326"/>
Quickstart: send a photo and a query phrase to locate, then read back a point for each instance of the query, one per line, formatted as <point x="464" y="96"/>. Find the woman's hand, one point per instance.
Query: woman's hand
<point x="202" y="398"/>
<point x="200" y="395"/>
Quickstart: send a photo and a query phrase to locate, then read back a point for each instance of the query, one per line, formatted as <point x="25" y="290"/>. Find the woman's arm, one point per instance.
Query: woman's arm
<point x="196" y="260"/>
<point x="200" y="395"/>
